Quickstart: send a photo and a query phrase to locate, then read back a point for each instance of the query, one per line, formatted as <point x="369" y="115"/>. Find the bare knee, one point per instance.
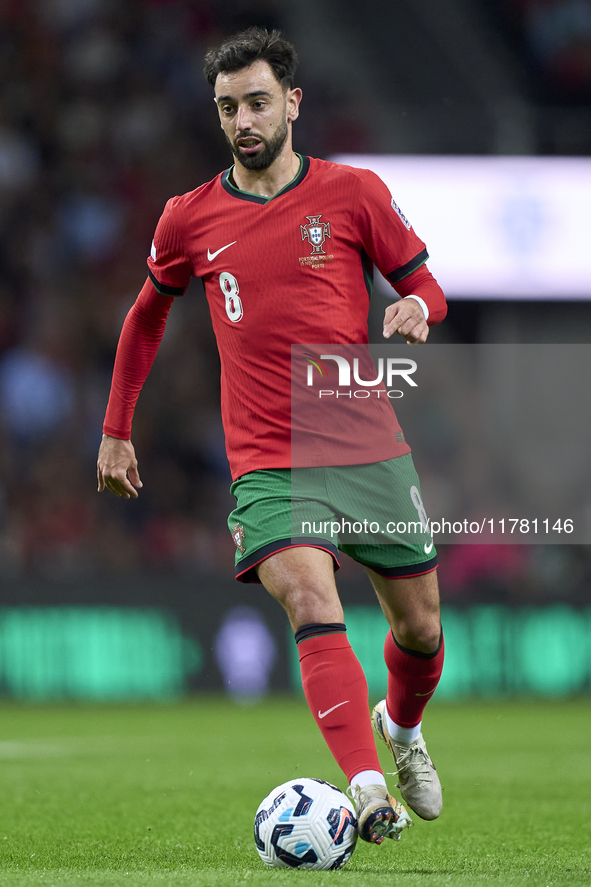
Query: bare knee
<point x="411" y="606"/>
<point x="307" y="604"/>
<point x="421" y="633"/>
<point x="302" y="581"/>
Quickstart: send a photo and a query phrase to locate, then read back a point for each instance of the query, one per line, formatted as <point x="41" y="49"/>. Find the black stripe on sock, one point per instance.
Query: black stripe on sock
<point x="315" y="629"/>
<point x="418" y="653"/>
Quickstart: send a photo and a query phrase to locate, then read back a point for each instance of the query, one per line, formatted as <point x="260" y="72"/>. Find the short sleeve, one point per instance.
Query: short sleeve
<point x="169" y="268"/>
<point x="388" y="238"/>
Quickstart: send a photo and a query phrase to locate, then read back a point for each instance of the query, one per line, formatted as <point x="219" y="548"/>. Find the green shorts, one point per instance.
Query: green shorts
<point x="373" y="512"/>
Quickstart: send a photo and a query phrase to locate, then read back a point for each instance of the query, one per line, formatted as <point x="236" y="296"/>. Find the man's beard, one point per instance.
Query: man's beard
<point x="264" y="158"/>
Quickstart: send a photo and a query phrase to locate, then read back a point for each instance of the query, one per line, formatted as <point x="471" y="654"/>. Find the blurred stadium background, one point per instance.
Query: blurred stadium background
<point x="104" y="114"/>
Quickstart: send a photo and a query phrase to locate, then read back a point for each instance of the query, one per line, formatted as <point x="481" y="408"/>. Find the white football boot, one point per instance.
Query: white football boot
<point x="379" y="815"/>
<point x="417" y="777"/>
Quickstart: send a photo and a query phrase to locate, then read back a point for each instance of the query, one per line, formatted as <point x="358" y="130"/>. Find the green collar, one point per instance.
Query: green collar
<point x="232" y="189"/>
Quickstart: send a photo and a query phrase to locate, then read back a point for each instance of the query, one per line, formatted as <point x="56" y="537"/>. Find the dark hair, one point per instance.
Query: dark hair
<point x="247" y="47"/>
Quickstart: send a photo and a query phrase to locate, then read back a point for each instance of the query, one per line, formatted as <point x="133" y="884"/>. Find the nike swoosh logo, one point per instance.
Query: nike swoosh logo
<point x="425" y="694"/>
<point x="211" y="256"/>
<point x="323" y="714"/>
<point x="428" y="548"/>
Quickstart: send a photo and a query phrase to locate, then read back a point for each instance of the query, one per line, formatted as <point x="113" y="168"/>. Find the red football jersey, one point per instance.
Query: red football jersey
<point x="292" y="269"/>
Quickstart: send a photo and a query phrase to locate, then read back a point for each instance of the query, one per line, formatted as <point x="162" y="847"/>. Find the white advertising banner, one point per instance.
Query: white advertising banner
<point x="496" y="227"/>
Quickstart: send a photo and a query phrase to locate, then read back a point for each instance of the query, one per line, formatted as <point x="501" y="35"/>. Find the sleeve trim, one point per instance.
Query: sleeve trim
<point x="164" y="289"/>
<point x="400" y="273"/>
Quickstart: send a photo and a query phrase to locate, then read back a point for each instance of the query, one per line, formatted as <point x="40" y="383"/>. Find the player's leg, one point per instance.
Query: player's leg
<point x="301" y="579"/>
<point x="413" y="653"/>
<point x="400" y="558"/>
<point x="411" y="606"/>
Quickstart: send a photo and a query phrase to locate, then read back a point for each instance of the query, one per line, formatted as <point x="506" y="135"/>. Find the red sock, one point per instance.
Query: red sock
<point x="336" y="691"/>
<point x="412" y="679"/>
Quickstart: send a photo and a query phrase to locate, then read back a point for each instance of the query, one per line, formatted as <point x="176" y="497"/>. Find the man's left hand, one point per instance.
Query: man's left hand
<point x="407" y="319"/>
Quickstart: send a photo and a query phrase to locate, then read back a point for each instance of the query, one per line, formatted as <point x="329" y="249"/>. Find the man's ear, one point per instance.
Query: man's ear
<point x="293" y="99"/>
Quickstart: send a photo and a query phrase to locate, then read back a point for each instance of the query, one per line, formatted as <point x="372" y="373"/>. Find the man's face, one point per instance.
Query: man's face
<point x="255" y="114"/>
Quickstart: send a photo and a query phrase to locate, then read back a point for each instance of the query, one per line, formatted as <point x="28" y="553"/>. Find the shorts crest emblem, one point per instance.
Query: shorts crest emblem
<point x="238" y="536"/>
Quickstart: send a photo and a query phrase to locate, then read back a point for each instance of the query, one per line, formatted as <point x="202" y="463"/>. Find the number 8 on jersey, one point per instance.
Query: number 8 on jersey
<point x="230" y="289"/>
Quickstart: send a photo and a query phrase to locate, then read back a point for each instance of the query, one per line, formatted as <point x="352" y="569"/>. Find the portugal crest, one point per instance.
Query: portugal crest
<point x="315" y="232"/>
<point x="238" y="536"/>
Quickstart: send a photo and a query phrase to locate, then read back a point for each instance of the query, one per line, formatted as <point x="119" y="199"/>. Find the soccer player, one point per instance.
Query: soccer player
<point x="253" y="235"/>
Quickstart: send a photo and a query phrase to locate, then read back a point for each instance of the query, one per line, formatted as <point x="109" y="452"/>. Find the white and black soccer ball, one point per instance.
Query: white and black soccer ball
<point x="306" y="824"/>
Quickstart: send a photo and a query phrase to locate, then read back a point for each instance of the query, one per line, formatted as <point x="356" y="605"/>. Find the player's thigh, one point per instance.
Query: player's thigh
<point x="302" y="580"/>
<point x="384" y="517"/>
<point x="411" y="606"/>
<point x="268" y="520"/>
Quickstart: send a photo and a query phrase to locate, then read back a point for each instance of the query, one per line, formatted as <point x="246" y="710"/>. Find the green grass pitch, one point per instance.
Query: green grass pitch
<point x="166" y="795"/>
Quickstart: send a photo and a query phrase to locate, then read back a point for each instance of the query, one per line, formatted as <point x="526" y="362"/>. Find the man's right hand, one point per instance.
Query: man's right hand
<point x="116" y="467"/>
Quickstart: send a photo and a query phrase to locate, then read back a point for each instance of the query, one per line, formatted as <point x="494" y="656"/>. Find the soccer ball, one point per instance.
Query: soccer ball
<point x="306" y="824"/>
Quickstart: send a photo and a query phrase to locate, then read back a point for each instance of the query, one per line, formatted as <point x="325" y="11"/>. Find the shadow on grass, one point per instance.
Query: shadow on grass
<point x="388" y="870"/>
